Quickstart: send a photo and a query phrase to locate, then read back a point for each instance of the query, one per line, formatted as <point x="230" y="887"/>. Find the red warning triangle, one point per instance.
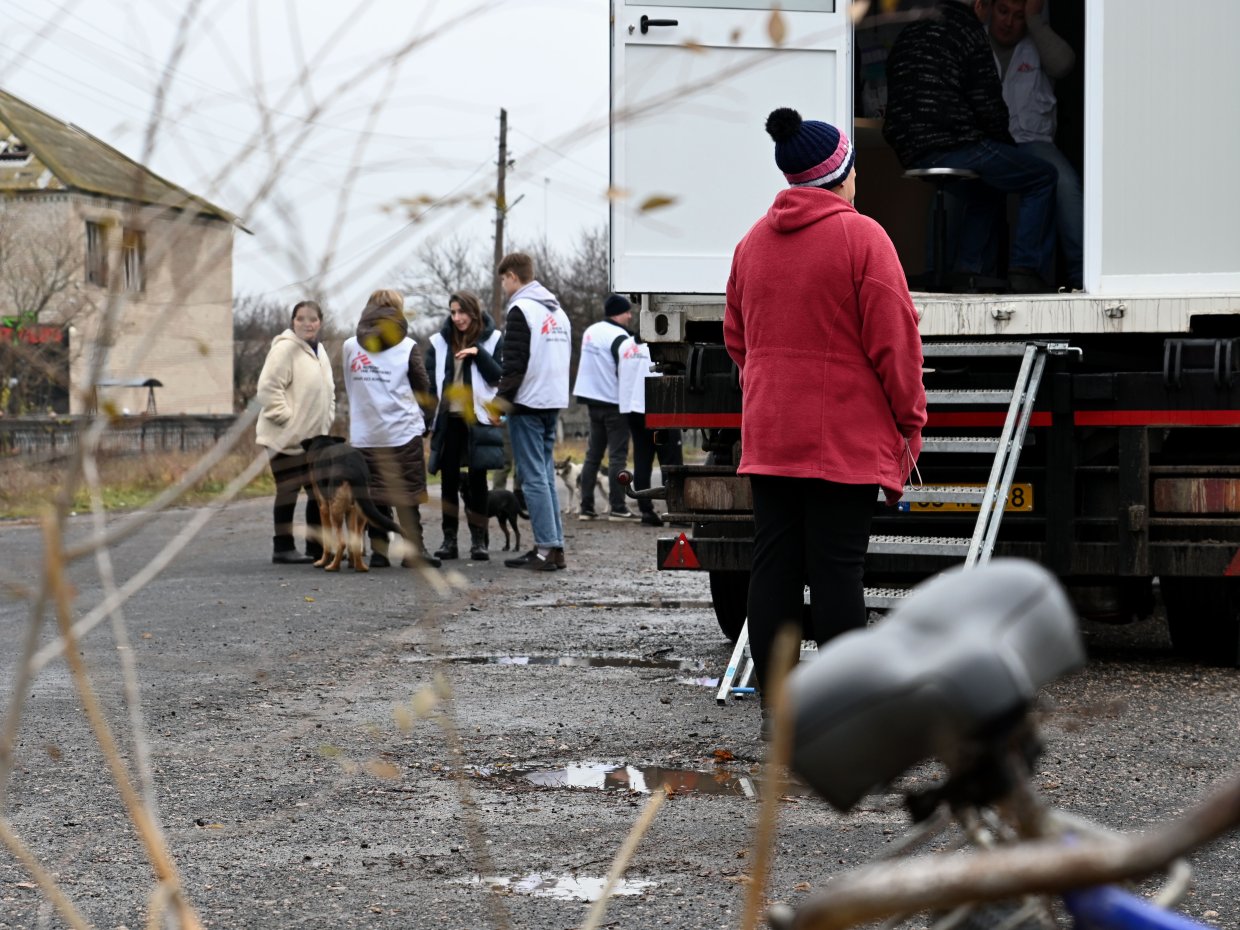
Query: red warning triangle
<point x="682" y="555"/>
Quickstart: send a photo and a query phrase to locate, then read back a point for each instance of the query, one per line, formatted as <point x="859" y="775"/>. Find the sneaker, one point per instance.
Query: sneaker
<point x="379" y="560"/>
<point x="557" y="556"/>
<point x="521" y="560"/>
<point x="651" y="519"/>
<point x="539" y="564"/>
<point x="587" y="515"/>
<point x="622" y="515"/>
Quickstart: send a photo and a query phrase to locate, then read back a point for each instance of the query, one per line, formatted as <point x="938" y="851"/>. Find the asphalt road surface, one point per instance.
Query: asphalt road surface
<point x="299" y="787"/>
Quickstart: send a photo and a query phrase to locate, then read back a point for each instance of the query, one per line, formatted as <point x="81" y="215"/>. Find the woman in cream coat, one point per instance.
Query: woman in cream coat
<point x="298" y="398"/>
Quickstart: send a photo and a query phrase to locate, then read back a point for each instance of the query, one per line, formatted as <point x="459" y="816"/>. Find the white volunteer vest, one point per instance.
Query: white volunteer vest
<point x="483" y="393"/>
<point x="634" y="370"/>
<point x="383" y="413"/>
<point x="596" y="369"/>
<point x="545" y="386"/>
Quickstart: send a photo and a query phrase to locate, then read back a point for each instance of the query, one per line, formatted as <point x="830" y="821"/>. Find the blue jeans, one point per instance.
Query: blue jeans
<point x="1005" y="168"/>
<point x="1069" y="213"/>
<point x="533" y="452"/>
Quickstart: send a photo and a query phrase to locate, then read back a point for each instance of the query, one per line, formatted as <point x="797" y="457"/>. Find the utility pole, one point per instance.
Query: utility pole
<point x="501" y="208"/>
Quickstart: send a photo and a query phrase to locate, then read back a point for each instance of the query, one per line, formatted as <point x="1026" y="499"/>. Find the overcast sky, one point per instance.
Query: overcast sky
<point x="432" y="118"/>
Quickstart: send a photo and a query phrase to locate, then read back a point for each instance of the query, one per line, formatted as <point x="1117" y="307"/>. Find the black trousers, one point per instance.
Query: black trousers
<point x="807" y="530"/>
<point x="647" y="443"/>
<point x="452" y="458"/>
<point x="609" y="433"/>
<point x="292" y="475"/>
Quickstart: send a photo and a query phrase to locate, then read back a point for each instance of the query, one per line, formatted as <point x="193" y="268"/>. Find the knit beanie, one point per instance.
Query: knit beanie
<point x="809" y="153"/>
<point x="616" y="305"/>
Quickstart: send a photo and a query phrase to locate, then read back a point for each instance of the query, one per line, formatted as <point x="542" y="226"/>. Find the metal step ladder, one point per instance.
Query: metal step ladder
<point x="990" y="499"/>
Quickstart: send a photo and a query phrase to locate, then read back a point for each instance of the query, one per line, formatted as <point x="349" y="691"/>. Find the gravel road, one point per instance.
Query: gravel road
<point x="298" y="787"/>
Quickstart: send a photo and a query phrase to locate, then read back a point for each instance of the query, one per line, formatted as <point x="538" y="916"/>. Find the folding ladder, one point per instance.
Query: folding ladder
<point x="991" y="499"/>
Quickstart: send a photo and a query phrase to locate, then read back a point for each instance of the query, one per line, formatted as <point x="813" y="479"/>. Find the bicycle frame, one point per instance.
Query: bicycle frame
<point x="1073" y="860"/>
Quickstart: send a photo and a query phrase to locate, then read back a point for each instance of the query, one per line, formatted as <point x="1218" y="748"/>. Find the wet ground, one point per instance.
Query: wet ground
<point x="300" y="783"/>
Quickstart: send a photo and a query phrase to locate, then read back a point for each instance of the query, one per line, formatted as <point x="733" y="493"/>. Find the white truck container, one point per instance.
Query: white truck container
<point x="1133" y="456"/>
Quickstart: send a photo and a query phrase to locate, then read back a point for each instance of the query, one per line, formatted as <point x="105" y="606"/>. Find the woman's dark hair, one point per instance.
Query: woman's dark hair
<point x="313" y="305"/>
<point x="473" y="306"/>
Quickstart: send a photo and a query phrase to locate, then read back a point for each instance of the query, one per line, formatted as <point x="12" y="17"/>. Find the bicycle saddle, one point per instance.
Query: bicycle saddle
<point x="966" y="651"/>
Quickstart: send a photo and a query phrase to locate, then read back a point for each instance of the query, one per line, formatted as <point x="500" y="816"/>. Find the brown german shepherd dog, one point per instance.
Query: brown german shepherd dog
<point x="341" y="484"/>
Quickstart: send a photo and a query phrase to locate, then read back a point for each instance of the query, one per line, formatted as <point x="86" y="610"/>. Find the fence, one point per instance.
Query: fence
<point x="45" y="437"/>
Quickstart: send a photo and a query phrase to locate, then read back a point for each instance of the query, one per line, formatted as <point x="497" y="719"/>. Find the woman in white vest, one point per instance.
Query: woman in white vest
<point x="298" y="398"/>
<point x="463" y="362"/>
<point x="386" y="384"/>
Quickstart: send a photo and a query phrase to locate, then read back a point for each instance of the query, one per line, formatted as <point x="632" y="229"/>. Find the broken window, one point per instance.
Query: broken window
<point x="133" y="252"/>
<point x="96" y="254"/>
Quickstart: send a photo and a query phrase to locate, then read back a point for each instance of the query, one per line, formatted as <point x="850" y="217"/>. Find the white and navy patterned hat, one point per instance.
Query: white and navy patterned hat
<point x="809" y="153"/>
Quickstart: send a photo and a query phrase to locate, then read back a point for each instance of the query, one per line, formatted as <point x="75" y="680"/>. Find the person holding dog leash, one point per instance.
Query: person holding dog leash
<point x="298" y="397"/>
<point x="386" y="383"/>
<point x="819" y="321"/>
<point x="464" y="365"/>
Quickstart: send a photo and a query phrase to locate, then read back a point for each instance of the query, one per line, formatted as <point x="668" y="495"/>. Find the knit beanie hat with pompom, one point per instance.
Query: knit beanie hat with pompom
<point x="809" y="153"/>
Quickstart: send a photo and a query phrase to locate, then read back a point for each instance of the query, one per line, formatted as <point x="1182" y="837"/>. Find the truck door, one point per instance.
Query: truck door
<point x="691" y="167"/>
<point x="1161" y="200"/>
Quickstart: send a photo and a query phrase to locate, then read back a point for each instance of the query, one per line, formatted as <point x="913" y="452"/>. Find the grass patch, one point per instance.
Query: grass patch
<point x="127" y="482"/>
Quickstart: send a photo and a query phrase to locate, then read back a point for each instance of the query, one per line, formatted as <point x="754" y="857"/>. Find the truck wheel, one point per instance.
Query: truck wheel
<point x="1203" y="617"/>
<point x="729" y="593"/>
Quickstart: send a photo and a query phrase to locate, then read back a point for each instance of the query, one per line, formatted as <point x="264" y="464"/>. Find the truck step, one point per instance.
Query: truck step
<point x="885" y="598"/>
<point x="968" y="397"/>
<point x="985" y="444"/>
<point x="953" y="546"/>
<point x="975" y="349"/>
<point x="943" y="494"/>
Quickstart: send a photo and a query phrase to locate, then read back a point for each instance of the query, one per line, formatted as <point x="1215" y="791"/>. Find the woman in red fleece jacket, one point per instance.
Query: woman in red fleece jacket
<point x="820" y="323"/>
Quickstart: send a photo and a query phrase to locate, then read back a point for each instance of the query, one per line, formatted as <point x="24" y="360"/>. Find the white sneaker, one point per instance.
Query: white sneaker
<point x="622" y="515"/>
<point x="587" y="515"/>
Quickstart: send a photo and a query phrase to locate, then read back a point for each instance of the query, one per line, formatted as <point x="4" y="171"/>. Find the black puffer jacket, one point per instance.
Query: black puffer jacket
<point x="943" y="88"/>
<point x="486" y="443"/>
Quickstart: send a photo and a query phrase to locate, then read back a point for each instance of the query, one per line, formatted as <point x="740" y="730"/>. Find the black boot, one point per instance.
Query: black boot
<point x="314" y="542"/>
<point x="379" y="553"/>
<point x="284" y="552"/>
<point x="450" y="526"/>
<point x="478" y="543"/>
<point x="416" y="539"/>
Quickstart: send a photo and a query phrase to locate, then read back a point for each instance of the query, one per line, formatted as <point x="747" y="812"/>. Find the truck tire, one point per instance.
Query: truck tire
<point x="1203" y="618"/>
<point x="729" y="594"/>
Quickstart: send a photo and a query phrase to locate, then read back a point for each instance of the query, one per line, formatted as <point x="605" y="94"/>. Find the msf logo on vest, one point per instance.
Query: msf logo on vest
<point x="361" y="362"/>
<point x="551" y="329"/>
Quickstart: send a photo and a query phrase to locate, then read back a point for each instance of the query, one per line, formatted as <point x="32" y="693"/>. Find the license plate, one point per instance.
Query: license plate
<point x="1019" y="499"/>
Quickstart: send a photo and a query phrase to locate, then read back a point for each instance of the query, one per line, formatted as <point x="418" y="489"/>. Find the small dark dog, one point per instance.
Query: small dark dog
<point x="341" y="481"/>
<point x="500" y="504"/>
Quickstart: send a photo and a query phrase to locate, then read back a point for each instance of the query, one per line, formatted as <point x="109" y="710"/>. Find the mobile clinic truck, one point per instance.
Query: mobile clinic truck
<point x="1104" y="421"/>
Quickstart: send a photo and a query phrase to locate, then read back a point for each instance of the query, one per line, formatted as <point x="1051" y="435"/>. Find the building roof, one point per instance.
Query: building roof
<point x="40" y="152"/>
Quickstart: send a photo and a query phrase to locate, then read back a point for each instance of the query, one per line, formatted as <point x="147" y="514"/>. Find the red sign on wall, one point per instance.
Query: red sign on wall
<point x="32" y="335"/>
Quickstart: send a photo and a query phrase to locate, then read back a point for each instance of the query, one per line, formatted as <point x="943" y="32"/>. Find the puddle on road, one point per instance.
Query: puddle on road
<point x="606" y="777"/>
<point x="681" y="665"/>
<point x="560" y="887"/>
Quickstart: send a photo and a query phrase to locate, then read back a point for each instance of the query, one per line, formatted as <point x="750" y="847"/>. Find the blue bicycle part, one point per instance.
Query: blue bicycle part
<point x="1108" y="908"/>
